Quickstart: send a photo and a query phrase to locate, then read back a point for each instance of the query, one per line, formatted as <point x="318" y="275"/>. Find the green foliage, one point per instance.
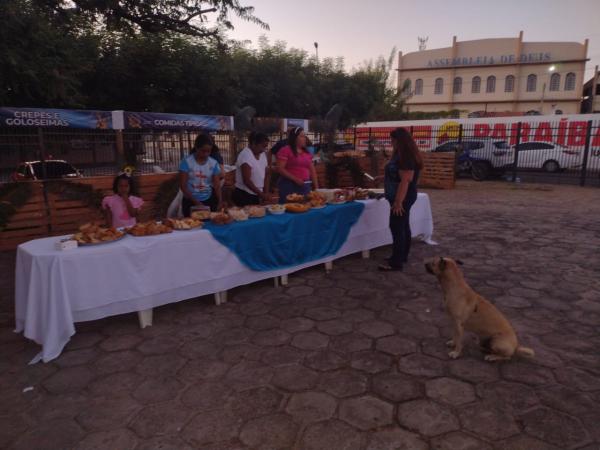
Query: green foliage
<point x="147" y="56"/>
<point x="164" y="196"/>
<point x="42" y="62"/>
<point x="199" y="18"/>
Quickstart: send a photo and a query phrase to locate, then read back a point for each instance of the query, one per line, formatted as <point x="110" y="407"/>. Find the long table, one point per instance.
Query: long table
<point x="54" y="289"/>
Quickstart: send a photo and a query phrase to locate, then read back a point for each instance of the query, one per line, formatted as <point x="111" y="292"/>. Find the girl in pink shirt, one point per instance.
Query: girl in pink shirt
<point x="295" y="167"/>
<point x="122" y="208"/>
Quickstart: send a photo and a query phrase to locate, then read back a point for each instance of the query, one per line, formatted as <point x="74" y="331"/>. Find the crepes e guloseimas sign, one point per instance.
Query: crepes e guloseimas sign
<point x="63" y="118"/>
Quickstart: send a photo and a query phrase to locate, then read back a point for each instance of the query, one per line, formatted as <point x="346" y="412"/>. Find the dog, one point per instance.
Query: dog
<point x="471" y="312"/>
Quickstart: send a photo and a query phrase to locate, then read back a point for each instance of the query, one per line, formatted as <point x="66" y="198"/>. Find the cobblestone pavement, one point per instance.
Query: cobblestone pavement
<point x="350" y="360"/>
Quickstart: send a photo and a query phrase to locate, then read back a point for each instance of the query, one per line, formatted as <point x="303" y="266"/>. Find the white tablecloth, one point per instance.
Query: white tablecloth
<point x="54" y="289"/>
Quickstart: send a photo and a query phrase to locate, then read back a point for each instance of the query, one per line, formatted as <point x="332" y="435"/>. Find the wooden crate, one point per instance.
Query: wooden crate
<point x="438" y="171"/>
<point x="66" y="216"/>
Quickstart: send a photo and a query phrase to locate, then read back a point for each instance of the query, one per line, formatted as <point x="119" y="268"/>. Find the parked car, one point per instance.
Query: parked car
<point x="338" y="146"/>
<point x="478" y="157"/>
<point x="495" y="153"/>
<point x="55" y="168"/>
<point x="547" y="156"/>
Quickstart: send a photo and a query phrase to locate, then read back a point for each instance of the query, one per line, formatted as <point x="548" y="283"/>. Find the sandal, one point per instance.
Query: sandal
<point x="388" y="268"/>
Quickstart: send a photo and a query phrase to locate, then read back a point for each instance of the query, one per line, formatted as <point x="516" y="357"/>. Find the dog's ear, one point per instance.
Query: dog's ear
<point x="459" y="262"/>
<point x="442" y="264"/>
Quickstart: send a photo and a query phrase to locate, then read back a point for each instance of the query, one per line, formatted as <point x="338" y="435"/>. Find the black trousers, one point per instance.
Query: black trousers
<point x="243" y="198"/>
<point x="186" y="204"/>
<point x="401" y="235"/>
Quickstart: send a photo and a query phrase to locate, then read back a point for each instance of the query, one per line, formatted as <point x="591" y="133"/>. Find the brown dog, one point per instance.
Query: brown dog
<point x="471" y="312"/>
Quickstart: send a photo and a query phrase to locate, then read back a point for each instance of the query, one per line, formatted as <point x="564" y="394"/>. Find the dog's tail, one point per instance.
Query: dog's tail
<point x="525" y="351"/>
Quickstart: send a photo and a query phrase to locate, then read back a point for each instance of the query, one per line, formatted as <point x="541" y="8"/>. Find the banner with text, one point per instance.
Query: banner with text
<point x="64" y="118"/>
<point x="164" y="121"/>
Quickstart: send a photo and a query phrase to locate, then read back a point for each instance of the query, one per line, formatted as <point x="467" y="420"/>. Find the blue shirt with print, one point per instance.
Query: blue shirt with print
<point x="200" y="176"/>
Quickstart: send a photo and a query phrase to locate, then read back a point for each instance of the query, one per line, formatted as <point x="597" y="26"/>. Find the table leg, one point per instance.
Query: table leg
<point x="145" y="318"/>
<point x="366" y="254"/>
<point x="328" y="266"/>
<point x="276" y="281"/>
<point x="284" y="280"/>
<point x="220" y="297"/>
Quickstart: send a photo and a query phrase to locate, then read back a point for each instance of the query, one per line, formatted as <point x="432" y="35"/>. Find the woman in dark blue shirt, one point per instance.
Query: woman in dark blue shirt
<point x="400" y="182"/>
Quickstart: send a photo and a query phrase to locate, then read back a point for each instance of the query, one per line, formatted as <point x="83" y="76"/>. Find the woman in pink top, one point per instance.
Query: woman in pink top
<point x="122" y="208"/>
<point x="297" y="174"/>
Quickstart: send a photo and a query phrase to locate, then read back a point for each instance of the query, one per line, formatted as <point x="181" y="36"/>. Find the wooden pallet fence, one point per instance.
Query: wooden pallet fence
<point x="438" y="171"/>
<point x="29" y="222"/>
<point x="53" y="215"/>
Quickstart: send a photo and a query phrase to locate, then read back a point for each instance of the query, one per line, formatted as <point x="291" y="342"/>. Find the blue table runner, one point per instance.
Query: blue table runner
<point x="287" y="240"/>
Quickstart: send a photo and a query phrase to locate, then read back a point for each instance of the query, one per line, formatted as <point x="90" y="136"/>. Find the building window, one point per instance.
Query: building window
<point x="457" y="88"/>
<point x="531" y="83"/>
<point x="419" y="87"/>
<point x="570" y="82"/>
<point x="406" y="88"/>
<point x="439" y="86"/>
<point x="490" y="85"/>
<point x="476" y="85"/>
<point x="509" y="83"/>
<point x="555" y="82"/>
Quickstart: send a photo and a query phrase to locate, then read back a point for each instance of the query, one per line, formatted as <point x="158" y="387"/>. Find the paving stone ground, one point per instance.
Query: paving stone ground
<point x="355" y="359"/>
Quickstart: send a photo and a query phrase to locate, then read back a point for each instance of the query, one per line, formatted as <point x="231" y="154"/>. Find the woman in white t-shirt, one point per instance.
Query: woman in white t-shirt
<point x="251" y="175"/>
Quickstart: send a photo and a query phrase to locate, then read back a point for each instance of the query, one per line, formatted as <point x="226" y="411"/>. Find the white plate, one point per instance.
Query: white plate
<point x="276" y="213"/>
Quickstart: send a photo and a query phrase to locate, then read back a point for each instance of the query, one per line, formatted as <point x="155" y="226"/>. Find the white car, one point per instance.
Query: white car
<point x="547" y="156"/>
<point x="496" y="153"/>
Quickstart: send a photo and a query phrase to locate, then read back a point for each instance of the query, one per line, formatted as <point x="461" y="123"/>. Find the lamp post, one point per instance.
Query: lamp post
<point x="317" y="52"/>
<point x="551" y="69"/>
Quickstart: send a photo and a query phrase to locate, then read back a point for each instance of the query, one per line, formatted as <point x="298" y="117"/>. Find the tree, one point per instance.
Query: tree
<point x="41" y="62"/>
<point x="188" y="17"/>
<point x="391" y="101"/>
<point x="55" y="58"/>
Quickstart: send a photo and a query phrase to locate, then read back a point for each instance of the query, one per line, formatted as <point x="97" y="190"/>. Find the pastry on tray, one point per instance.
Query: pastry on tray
<point x="316" y="199"/>
<point x="221" y="218"/>
<point x="296" y="207"/>
<point x="255" y="211"/>
<point x="295" y="198"/>
<point x="188" y="223"/>
<point x="91" y="233"/>
<point x="149" y="229"/>
<point x="361" y="194"/>
<point x="200" y="214"/>
<point x="237" y="214"/>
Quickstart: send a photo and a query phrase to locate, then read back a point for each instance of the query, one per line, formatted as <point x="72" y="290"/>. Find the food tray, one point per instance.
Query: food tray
<point x="93" y="244"/>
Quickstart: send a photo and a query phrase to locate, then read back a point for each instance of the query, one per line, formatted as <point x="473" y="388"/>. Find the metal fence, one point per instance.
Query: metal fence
<point x="557" y="153"/>
<point x="96" y="152"/>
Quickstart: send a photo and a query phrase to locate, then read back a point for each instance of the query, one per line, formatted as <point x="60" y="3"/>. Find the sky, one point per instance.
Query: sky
<point x="363" y="30"/>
